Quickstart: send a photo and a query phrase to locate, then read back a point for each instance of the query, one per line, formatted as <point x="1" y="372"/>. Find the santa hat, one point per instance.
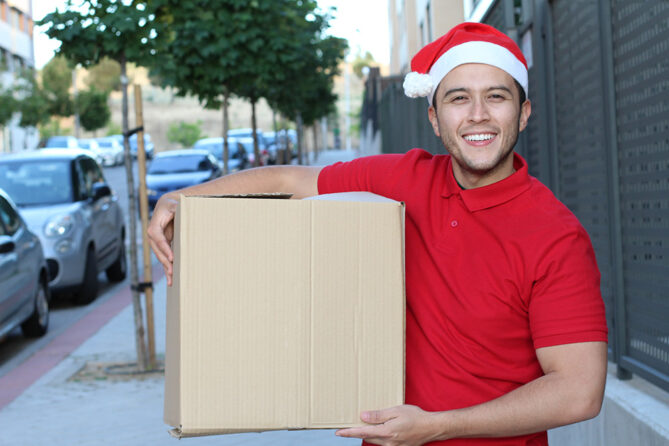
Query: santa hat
<point x="465" y="43"/>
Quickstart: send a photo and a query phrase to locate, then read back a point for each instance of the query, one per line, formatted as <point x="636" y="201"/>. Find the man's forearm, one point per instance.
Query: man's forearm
<point x="553" y="400"/>
<point x="297" y="180"/>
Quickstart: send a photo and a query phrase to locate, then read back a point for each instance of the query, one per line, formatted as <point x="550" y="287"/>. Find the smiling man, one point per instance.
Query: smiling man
<point x="505" y="326"/>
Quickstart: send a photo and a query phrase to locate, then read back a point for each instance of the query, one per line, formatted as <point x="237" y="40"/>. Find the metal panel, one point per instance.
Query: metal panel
<point x="641" y="43"/>
<point x="580" y="120"/>
<point x="495" y="16"/>
<point x="404" y="122"/>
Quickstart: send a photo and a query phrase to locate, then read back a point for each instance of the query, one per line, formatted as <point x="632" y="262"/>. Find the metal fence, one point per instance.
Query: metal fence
<point x="599" y="138"/>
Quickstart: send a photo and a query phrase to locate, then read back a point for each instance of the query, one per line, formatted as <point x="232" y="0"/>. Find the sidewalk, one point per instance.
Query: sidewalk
<point x="58" y="410"/>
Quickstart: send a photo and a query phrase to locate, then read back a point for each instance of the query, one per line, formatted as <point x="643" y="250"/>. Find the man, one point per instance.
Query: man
<point x="505" y="330"/>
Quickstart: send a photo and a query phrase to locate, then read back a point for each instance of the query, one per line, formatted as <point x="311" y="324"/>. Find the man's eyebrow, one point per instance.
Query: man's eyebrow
<point x="500" y="87"/>
<point x="456" y="90"/>
<point x="466" y="90"/>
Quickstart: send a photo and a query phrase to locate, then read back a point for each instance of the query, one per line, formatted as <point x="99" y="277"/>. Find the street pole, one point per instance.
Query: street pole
<point x="147" y="285"/>
<point x="132" y="214"/>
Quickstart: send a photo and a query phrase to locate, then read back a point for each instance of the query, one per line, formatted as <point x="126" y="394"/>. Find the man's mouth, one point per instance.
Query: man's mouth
<point x="479" y="137"/>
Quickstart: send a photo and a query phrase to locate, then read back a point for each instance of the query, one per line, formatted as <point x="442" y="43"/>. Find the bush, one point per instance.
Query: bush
<point x="185" y="133"/>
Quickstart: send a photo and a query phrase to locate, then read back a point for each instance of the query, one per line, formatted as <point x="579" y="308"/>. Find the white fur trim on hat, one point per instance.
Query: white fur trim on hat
<point x="478" y="52"/>
<point x="417" y="85"/>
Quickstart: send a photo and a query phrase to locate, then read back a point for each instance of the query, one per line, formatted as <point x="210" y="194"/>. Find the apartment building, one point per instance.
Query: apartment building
<point x="414" y="23"/>
<point x="16" y="52"/>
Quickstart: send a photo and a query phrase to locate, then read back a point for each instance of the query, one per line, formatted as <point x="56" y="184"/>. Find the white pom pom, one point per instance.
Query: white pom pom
<point x="417" y="85"/>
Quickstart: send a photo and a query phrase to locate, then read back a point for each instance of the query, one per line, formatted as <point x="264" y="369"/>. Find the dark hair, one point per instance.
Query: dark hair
<point x="521" y="94"/>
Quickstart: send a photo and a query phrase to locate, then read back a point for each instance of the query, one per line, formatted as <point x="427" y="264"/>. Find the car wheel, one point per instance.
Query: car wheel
<point x="119" y="269"/>
<point x="38" y="322"/>
<point x="89" y="287"/>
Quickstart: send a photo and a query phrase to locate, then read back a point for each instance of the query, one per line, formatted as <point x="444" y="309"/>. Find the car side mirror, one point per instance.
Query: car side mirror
<point x="6" y="244"/>
<point x="100" y="190"/>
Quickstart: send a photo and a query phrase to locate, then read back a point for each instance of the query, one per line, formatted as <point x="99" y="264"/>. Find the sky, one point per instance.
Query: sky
<point x="363" y="22"/>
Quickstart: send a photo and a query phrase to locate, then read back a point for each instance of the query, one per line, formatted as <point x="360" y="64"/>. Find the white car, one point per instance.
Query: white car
<point x="111" y="151"/>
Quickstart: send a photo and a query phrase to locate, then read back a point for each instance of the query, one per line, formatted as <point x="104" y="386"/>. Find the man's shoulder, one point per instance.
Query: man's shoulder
<point x="552" y="212"/>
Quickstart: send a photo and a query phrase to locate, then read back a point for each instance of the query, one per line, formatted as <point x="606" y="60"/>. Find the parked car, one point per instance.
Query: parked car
<point x="92" y="145"/>
<point x="237" y="159"/>
<point x="247" y="144"/>
<point x="62" y="142"/>
<point x="270" y="143"/>
<point x="148" y="145"/>
<point x="111" y="151"/>
<point x="176" y="169"/>
<point x="65" y="200"/>
<point x="24" y="279"/>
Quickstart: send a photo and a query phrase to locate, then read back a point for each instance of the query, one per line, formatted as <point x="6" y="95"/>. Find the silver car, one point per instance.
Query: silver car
<point x="24" y="290"/>
<point x="63" y="196"/>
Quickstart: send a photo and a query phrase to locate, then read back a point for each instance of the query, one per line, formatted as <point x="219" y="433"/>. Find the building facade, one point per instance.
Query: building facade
<point x="16" y="53"/>
<point x="414" y="23"/>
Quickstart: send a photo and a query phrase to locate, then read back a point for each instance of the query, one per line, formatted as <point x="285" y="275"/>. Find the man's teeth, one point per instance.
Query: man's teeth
<point x="482" y="137"/>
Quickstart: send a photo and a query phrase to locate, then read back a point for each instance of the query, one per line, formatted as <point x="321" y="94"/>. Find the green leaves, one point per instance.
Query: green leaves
<point x="93" y="110"/>
<point x="106" y="28"/>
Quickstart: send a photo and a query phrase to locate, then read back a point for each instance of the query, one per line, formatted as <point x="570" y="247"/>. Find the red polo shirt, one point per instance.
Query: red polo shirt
<point x="492" y="274"/>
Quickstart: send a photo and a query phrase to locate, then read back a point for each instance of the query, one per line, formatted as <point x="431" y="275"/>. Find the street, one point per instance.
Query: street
<point x="15" y="348"/>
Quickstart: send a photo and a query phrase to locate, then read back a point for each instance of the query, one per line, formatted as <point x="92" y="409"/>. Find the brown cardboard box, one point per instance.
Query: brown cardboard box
<point x="284" y="314"/>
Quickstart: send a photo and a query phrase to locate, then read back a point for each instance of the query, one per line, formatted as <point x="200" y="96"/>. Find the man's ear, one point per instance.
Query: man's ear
<point x="434" y="120"/>
<point x="525" y="112"/>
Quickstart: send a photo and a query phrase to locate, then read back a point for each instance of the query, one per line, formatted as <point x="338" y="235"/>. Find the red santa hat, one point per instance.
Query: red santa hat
<point x="465" y="43"/>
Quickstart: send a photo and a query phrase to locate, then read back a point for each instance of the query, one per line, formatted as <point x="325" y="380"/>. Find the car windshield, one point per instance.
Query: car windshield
<point x="57" y="141"/>
<point x="84" y="144"/>
<point x="178" y="164"/>
<point x="33" y="183"/>
<point x="105" y="144"/>
<point x="216" y="149"/>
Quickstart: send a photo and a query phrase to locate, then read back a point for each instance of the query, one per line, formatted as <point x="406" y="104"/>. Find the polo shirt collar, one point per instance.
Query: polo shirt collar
<point x="492" y="194"/>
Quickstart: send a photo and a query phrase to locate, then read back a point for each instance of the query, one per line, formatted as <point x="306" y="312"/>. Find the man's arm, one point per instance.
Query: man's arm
<point x="298" y="180"/>
<point x="571" y="390"/>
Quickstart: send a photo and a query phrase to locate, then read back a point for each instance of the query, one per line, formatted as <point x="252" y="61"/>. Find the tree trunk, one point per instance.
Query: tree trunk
<point x="226" y="146"/>
<point x="315" y="133"/>
<point x="299" y="138"/>
<point x="132" y="235"/>
<point x="75" y="93"/>
<point x="256" y="151"/>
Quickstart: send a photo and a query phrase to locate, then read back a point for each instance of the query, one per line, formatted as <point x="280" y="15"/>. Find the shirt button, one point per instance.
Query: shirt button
<point x="454" y="223"/>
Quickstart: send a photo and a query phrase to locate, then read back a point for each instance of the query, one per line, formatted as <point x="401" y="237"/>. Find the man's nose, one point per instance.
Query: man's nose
<point x="478" y="111"/>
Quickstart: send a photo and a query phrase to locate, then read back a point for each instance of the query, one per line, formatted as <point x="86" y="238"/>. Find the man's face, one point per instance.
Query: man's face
<point x="478" y="118"/>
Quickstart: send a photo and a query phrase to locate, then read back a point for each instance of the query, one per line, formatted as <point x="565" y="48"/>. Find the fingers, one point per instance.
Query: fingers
<point x="377" y="416"/>
<point x="365" y="433"/>
<point x="160" y="233"/>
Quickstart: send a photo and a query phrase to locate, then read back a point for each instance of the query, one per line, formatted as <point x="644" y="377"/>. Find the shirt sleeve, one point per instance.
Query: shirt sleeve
<point x="566" y="304"/>
<point x="379" y="174"/>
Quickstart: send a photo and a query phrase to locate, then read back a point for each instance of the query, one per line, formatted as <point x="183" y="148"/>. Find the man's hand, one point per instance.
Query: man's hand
<point x="161" y="232"/>
<point x="401" y="425"/>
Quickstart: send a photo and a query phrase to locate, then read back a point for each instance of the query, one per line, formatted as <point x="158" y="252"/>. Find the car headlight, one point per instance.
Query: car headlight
<point x="151" y="192"/>
<point x="59" y="225"/>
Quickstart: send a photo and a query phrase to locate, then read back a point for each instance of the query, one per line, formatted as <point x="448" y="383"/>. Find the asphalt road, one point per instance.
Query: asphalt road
<point x="14" y="348"/>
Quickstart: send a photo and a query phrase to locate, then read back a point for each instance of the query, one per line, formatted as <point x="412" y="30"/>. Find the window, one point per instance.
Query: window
<point x="422" y="34"/>
<point x="10" y="219"/>
<point x="428" y="18"/>
<point x="90" y="174"/>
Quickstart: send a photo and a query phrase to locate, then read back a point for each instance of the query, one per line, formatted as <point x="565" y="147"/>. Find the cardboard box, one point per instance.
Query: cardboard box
<point x="284" y="314"/>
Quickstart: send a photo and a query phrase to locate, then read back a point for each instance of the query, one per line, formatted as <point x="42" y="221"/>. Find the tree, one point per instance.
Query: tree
<point x="185" y="133"/>
<point x="311" y="96"/>
<point x="123" y="31"/>
<point x="360" y="62"/>
<point x="93" y="110"/>
<point x="105" y="76"/>
<point x="8" y="106"/>
<point x="56" y="83"/>
<point x="223" y="47"/>
<point x="33" y="102"/>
